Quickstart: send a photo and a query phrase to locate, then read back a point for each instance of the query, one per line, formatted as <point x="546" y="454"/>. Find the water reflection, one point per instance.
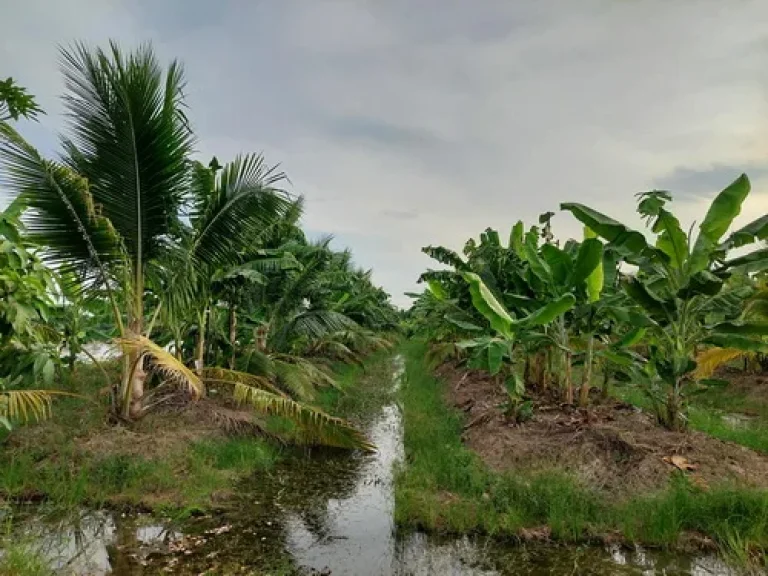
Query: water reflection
<point x="328" y="513"/>
<point x="93" y="543"/>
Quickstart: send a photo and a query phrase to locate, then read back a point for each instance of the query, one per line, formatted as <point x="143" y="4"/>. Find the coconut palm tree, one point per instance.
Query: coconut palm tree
<point x="111" y="211"/>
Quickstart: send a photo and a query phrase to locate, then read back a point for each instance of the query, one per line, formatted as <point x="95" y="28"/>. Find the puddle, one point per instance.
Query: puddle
<point x="330" y="513"/>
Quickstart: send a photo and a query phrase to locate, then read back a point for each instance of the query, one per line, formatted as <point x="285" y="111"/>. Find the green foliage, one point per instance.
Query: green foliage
<point x="681" y="294"/>
<point x="15" y="102"/>
<point x="445" y="488"/>
<point x="175" y="251"/>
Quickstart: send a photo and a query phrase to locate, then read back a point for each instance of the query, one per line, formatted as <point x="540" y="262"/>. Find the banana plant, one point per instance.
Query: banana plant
<point x="680" y="289"/>
<point x="492" y="351"/>
<point x="552" y="272"/>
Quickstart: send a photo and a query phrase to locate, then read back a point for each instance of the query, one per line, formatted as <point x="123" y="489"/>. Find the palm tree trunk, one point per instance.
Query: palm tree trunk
<point x="232" y="334"/>
<point x="587" y="376"/>
<point x="200" y="348"/>
<point x="134" y="376"/>
<point x="136" y="361"/>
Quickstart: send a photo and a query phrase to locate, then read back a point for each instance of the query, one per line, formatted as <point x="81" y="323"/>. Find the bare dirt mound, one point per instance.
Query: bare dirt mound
<point x="611" y="446"/>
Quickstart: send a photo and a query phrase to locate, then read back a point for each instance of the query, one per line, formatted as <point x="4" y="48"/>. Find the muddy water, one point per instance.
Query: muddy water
<point x="315" y="514"/>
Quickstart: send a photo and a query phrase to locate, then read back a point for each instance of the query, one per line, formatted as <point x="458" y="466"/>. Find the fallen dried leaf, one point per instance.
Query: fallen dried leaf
<point x="680" y="462"/>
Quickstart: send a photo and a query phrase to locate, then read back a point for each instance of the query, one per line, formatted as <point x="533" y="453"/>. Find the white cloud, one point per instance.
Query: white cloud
<point x="467" y="115"/>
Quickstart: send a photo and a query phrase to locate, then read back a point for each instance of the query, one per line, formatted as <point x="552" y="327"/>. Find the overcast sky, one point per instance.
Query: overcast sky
<point x="406" y="123"/>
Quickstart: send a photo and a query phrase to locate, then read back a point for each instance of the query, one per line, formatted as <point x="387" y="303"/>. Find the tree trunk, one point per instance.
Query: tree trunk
<point x="674" y="417"/>
<point x="136" y="365"/>
<point x="606" y="382"/>
<point x="527" y="371"/>
<point x="568" y="380"/>
<point x="200" y="348"/>
<point x="546" y="375"/>
<point x="586" y="381"/>
<point x="232" y="335"/>
<point x="137" y="389"/>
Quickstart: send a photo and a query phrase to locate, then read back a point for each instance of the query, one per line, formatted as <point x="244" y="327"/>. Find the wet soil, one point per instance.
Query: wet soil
<point x="611" y="446"/>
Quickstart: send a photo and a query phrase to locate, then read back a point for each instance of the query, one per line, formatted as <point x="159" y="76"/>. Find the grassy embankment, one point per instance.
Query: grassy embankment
<point x="169" y="462"/>
<point x="709" y="413"/>
<point x="445" y="487"/>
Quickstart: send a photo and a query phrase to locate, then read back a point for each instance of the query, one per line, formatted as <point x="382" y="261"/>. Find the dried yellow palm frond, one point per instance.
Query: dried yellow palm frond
<point x="318" y="427"/>
<point x="164" y="363"/>
<point x="710" y="360"/>
<point x="225" y="376"/>
<point x="26" y="405"/>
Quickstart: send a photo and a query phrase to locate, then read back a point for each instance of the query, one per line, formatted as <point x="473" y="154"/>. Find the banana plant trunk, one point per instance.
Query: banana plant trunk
<point x="606" y="391"/>
<point x="232" y="335"/>
<point x="568" y="378"/>
<point x="587" y="376"/>
<point x="674" y="415"/>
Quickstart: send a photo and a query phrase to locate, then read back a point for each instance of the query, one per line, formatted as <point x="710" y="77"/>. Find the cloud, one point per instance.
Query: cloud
<point x="697" y="182"/>
<point x="359" y="129"/>
<point x="413" y="123"/>
<point x="399" y="214"/>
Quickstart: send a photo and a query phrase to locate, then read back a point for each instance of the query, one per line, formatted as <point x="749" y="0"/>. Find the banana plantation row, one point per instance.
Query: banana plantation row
<point x="199" y="276"/>
<point x="660" y="310"/>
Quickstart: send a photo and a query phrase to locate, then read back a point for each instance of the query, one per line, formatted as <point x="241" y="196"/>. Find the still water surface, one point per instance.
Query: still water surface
<point x="328" y="514"/>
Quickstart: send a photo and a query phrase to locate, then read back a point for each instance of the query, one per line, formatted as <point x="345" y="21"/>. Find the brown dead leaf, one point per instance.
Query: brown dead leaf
<point x="680" y="462"/>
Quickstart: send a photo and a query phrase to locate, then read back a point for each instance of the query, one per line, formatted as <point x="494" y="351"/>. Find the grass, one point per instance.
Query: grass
<point x="188" y="480"/>
<point x="18" y="557"/>
<point x="57" y="461"/>
<point x="706" y="413"/>
<point x="444" y="487"/>
<point x="49" y="461"/>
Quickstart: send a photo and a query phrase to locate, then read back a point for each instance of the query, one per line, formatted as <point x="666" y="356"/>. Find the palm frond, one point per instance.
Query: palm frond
<point x="710" y="360"/>
<point x="164" y="363"/>
<point x="64" y="218"/>
<point x="26" y="405"/>
<point x="300" y="376"/>
<point x="241" y="209"/>
<point x="130" y="139"/>
<point x="259" y="363"/>
<point x="318" y="427"/>
<point x="316" y="324"/>
<point x="225" y="376"/>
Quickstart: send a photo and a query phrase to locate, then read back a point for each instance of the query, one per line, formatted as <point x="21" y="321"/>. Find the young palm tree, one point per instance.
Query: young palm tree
<point x="111" y="211"/>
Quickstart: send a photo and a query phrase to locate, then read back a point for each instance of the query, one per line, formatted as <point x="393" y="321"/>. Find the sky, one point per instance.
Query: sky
<point x="408" y="123"/>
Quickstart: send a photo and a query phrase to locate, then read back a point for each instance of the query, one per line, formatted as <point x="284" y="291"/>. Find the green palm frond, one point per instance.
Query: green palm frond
<point x="316" y="324"/>
<point x="242" y="206"/>
<point x="130" y="139"/>
<point x="300" y="376"/>
<point x="317" y="426"/>
<point x="259" y="363"/>
<point x="64" y="218"/>
<point x="217" y="375"/>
